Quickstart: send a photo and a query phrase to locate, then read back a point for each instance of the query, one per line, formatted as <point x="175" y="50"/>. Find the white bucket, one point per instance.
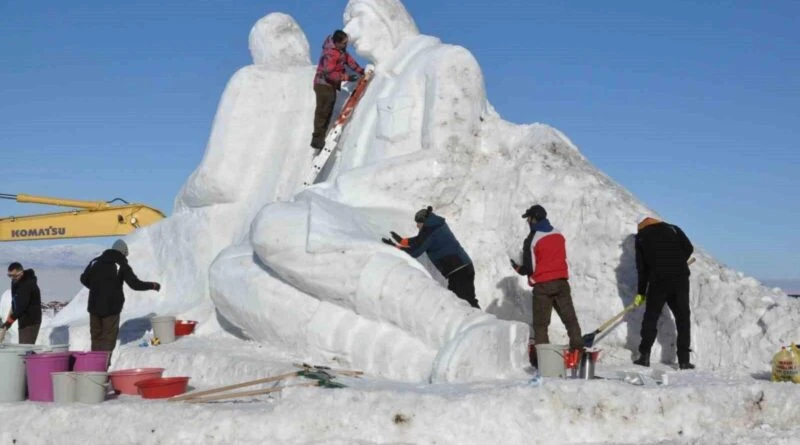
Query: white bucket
<point x="551" y="360"/>
<point x="164" y="328"/>
<point x="12" y="370"/>
<point x="64" y="386"/>
<point x="91" y="387"/>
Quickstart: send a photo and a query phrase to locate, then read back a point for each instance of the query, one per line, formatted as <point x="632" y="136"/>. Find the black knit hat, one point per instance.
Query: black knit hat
<point x="537" y="212"/>
<point x="423" y="214"/>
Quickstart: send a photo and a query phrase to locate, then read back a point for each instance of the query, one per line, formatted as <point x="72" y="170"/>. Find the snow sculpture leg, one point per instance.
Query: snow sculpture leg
<point x="271" y="311"/>
<point x="384" y="286"/>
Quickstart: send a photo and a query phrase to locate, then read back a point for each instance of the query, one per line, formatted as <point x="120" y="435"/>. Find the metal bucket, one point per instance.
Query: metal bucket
<point x="586" y="364"/>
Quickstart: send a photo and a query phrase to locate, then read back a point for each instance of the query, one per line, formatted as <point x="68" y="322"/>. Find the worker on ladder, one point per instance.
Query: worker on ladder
<point x="331" y="74"/>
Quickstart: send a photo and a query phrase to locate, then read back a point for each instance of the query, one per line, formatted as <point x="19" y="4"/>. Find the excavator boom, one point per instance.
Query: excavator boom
<point x="89" y="219"/>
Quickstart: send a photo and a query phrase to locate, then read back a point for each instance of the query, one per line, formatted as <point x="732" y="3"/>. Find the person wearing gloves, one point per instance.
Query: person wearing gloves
<point x="104" y="277"/>
<point x="26" y="304"/>
<point x="544" y="262"/>
<point x="437" y="240"/>
<point x="662" y="255"/>
<point x="331" y="73"/>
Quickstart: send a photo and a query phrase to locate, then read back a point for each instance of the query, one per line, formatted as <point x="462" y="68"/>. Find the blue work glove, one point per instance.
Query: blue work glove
<point x="353" y="77"/>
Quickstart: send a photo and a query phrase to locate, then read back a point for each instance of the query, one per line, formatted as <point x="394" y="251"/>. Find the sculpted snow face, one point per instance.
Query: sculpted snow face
<point x="277" y="42"/>
<point x="377" y="27"/>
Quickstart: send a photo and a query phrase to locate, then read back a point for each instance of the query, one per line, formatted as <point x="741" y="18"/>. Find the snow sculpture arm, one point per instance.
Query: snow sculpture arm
<point x="455" y="99"/>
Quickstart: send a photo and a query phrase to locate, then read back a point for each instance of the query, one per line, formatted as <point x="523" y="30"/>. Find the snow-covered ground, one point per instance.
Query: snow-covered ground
<point x="278" y="274"/>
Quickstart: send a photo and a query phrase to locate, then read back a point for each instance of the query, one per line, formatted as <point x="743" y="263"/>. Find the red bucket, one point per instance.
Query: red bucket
<point x="124" y="380"/>
<point x="162" y="388"/>
<point x="184" y="327"/>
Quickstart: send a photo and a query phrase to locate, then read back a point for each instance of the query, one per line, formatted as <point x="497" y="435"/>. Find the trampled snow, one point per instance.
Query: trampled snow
<point x="276" y="274"/>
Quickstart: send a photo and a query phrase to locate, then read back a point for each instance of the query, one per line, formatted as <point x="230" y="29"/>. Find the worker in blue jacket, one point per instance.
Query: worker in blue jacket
<point x="444" y="251"/>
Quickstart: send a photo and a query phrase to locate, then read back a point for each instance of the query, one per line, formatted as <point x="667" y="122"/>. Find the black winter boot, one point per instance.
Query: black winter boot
<point x="686" y="366"/>
<point x="643" y="360"/>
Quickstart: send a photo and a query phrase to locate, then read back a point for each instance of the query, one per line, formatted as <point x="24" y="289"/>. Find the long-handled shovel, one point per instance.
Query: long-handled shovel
<point x="588" y="339"/>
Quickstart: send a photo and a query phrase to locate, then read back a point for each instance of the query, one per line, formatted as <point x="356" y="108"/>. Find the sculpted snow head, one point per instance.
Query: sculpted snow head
<point x="376" y="27"/>
<point x="277" y="41"/>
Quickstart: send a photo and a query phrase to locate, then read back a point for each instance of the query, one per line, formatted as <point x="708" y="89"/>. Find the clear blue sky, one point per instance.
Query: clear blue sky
<point x="693" y="106"/>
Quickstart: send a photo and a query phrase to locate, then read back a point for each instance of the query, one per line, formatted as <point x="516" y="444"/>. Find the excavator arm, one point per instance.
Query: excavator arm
<point x="87" y="219"/>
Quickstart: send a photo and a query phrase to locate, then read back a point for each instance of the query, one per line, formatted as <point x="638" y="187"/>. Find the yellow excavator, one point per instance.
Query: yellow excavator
<point x="87" y="219"/>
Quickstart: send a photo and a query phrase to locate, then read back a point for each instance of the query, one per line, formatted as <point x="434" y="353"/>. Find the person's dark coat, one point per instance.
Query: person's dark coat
<point x="104" y="277"/>
<point x="662" y="251"/>
<point x="442" y="247"/>
<point x="26" y="300"/>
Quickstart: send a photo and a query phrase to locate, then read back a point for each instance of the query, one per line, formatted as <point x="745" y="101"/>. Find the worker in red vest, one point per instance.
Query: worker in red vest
<point x="544" y="261"/>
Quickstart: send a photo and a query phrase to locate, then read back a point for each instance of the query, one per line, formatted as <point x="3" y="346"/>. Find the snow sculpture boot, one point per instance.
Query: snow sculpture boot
<point x="643" y="360"/>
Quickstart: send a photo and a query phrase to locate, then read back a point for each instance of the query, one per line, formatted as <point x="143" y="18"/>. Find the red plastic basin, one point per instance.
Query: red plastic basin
<point x="184" y="327"/>
<point x="124" y="381"/>
<point x="162" y="388"/>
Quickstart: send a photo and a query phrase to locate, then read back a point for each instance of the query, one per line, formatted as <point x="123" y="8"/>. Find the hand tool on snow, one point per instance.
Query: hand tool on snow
<point x="322" y="378"/>
<point x="274" y="378"/>
<point x="588" y="339"/>
<point x="3" y="335"/>
<point x="323" y="375"/>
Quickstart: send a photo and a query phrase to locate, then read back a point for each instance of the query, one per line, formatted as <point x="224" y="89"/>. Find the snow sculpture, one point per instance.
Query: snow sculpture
<point x="305" y="271"/>
<point x="322" y="245"/>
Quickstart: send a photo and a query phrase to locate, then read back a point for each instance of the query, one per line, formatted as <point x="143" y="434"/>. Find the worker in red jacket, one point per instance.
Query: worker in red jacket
<point x="331" y="73"/>
<point x="544" y="261"/>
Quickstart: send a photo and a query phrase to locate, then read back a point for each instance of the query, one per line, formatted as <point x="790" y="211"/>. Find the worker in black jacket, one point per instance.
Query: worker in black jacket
<point x="104" y="277"/>
<point x="662" y="255"/>
<point x="26" y="303"/>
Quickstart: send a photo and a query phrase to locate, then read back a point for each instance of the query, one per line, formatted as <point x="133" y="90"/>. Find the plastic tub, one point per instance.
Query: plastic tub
<point x="91" y="387"/>
<point x="551" y="360"/>
<point x="162" y="388"/>
<point x="58" y="348"/>
<point x="12" y="375"/>
<point x="164" y="328"/>
<point x="63" y="387"/>
<point x="124" y="380"/>
<point x="96" y="361"/>
<point x="184" y="327"/>
<point x="38" y="368"/>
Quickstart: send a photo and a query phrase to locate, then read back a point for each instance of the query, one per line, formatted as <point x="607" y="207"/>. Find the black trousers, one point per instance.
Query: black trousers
<point x="675" y="294"/>
<point x="462" y="283"/>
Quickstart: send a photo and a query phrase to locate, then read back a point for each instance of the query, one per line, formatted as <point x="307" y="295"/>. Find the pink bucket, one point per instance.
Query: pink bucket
<point x="95" y="361"/>
<point x="38" y="368"/>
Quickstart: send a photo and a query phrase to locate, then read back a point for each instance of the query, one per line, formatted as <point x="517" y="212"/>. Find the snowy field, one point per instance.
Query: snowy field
<point x="694" y="407"/>
<point x="278" y="273"/>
